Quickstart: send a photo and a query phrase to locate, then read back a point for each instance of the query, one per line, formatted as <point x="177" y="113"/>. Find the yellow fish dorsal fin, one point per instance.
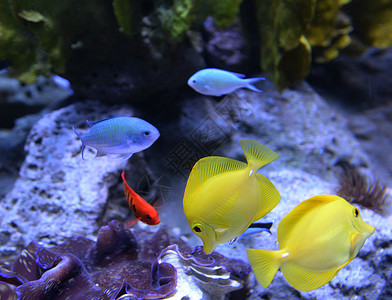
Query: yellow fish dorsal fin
<point x="270" y="196"/>
<point x="305" y="280"/>
<point x="289" y="221"/>
<point x="208" y="167"/>
<point x="257" y="155"/>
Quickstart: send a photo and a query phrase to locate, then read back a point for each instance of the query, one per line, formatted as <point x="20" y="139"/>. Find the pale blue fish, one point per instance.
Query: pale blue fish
<point x="63" y="83"/>
<point x="216" y="82"/>
<point x="118" y="137"/>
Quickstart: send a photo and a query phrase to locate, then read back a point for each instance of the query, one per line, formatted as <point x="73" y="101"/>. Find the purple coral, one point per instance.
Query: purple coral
<point x="114" y="266"/>
<point x="82" y="269"/>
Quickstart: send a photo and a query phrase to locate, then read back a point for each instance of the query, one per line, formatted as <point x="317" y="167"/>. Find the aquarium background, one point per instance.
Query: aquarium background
<point x="325" y="109"/>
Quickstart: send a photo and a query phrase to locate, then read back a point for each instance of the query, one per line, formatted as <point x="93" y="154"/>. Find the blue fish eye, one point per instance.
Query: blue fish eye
<point x="146" y="133"/>
<point x="194" y="81"/>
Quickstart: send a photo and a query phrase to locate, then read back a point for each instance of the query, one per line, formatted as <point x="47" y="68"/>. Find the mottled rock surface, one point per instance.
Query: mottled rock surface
<point x="373" y="130"/>
<point x="299" y="125"/>
<point x="360" y="81"/>
<point x="57" y="194"/>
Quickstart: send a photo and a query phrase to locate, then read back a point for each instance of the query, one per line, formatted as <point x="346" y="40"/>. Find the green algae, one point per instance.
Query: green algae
<point x="285" y="51"/>
<point x="178" y="18"/>
<point x="20" y="47"/>
<point x="128" y="13"/>
<point x="372" y="22"/>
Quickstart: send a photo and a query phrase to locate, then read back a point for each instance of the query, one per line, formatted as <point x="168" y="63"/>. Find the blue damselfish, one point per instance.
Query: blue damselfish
<point x="118" y="137"/>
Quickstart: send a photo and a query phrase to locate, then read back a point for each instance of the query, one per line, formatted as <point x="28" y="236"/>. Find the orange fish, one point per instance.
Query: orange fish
<point x="142" y="210"/>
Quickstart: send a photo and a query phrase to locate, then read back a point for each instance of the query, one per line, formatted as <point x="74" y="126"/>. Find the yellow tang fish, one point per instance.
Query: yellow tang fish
<point x="224" y="196"/>
<point x="318" y="238"/>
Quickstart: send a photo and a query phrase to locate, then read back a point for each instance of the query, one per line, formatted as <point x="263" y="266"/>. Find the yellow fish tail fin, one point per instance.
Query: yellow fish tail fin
<point x="269" y="199"/>
<point x="257" y="155"/>
<point x="265" y="264"/>
<point x="305" y="280"/>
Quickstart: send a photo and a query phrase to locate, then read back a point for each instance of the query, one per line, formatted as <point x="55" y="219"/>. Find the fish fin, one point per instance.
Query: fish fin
<point x="248" y="83"/>
<point x="239" y="75"/>
<point x="83" y="146"/>
<point x="91" y="124"/>
<point x="355" y="237"/>
<point x="127" y="189"/>
<point x="130" y="223"/>
<point x="158" y="202"/>
<point x="232" y="241"/>
<point x="99" y="154"/>
<point x="304" y="279"/>
<point x="120" y="156"/>
<point x="257" y="155"/>
<point x="305" y="207"/>
<point x="265" y="264"/>
<point x="270" y="196"/>
<point x="221" y="229"/>
<point x="208" y="167"/>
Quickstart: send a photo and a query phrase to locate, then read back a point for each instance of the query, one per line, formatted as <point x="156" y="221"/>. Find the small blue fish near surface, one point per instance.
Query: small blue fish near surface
<point x="63" y="83"/>
<point x="216" y="82"/>
<point x="118" y="137"/>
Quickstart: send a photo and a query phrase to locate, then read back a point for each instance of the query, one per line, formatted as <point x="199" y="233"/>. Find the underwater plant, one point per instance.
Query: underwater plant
<point x="360" y="189"/>
<point x="117" y="264"/>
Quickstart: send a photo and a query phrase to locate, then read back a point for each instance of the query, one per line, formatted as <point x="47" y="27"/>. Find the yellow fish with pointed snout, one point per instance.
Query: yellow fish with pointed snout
<point x="317" y="238"/>
<point x="224" y="196"/>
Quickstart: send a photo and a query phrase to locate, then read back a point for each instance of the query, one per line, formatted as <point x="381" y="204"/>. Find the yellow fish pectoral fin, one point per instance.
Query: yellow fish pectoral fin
<point x="305" y="280"/>
<point x="356" y="242"/>
<point x="265" y="264"/>
<point x="257" y="155"/>
<point x="270" y="196"/>
<point x="206" y="168"/>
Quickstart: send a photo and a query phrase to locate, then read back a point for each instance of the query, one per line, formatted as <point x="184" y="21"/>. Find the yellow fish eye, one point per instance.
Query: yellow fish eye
<point x="355" y="212"/>
<point x="197" y="229"/>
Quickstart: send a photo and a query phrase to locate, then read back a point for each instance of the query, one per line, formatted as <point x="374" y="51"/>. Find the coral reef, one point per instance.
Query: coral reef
<point x="329" y="30"/>
<point x="57" y="188"/>
<point x="291" y="31"/>
<point x="225" y="48"/>
<point x="371" y="22"/>
<point x="285" y="51"/>
<point x="48" y="34"/>
<point x="51" y="188"/>
<point x="119" y="264"/>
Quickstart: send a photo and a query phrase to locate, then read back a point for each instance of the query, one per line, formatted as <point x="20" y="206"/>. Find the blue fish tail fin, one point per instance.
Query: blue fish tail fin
<point x="257" y="155"/>
<point x="249" y="84"/>
<point x="83" y="146"/>
<point x="265" y="264"/>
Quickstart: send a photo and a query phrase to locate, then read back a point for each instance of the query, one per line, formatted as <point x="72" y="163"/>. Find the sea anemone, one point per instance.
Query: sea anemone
<point x="119" y="265"/>
<point x="358" y="188"/>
